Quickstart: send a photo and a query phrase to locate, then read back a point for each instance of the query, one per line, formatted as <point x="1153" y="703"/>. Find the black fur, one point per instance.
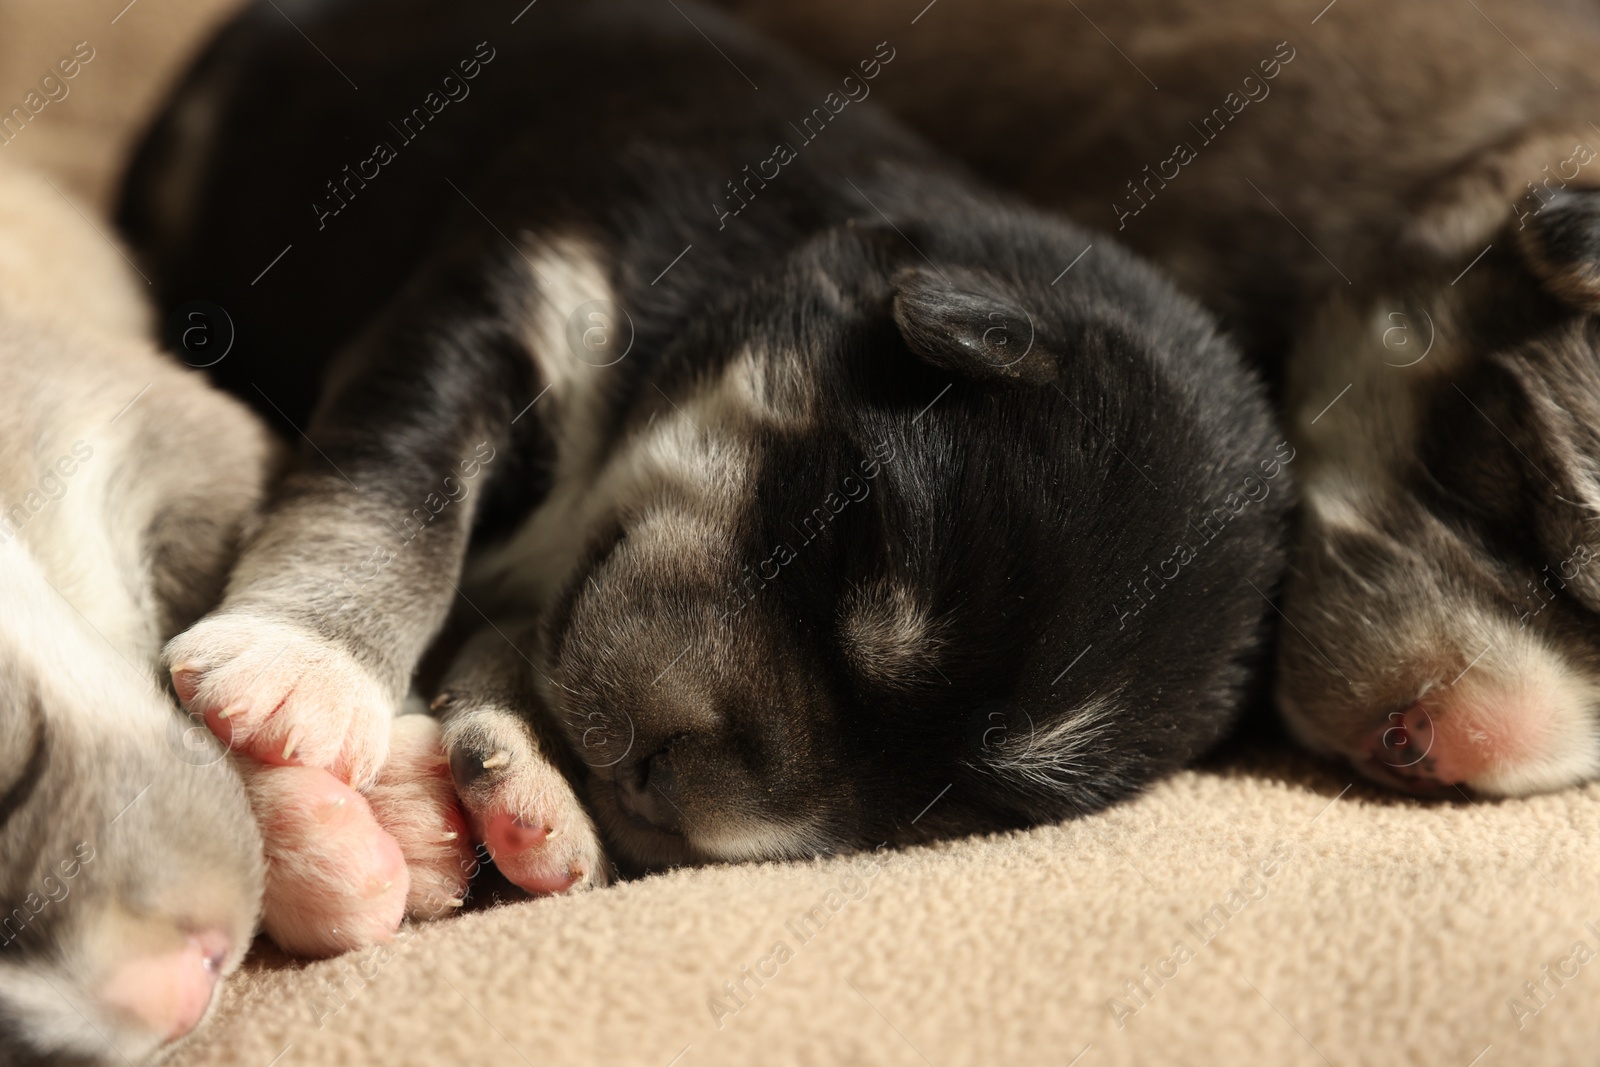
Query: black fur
<point x="1030" y="484"/>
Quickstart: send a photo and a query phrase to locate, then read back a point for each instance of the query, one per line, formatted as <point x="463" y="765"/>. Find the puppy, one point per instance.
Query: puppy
<point x="1397" y="209"/>
<point x="132" y="873"/>
<point x="130" y="868"/>
<point x="792" y="491"/>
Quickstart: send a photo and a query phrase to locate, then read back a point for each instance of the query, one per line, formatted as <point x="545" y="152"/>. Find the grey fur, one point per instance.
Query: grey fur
<point x="125" y="486"/>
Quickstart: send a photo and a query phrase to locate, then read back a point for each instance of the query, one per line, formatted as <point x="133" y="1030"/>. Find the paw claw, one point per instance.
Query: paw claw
<point x="185" y="680"/>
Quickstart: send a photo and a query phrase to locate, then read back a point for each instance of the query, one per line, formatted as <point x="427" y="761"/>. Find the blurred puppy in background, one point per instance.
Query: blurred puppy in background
<point x="1397" y="207"/>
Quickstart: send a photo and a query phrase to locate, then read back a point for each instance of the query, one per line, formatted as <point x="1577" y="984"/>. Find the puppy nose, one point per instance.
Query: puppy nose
<point x="1453" y="738"/>
<point x="1404" y="741"/>
<point x="644" y="790"/>
<point x="170" y="992"/>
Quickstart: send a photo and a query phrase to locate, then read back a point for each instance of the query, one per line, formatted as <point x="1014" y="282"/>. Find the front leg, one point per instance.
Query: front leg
<point x="504" y="758"/>
<point x="332" y="604"/>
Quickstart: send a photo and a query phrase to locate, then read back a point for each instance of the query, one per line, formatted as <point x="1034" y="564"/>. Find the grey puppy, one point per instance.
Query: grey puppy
<point x="130" y="868"/>
<point x="1399" y="201"/>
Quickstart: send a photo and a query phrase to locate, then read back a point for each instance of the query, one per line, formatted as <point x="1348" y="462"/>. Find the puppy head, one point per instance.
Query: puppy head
<point x="1443" y="602"/>
<point x="132" y="874"/>
<point x="888" y="565"/>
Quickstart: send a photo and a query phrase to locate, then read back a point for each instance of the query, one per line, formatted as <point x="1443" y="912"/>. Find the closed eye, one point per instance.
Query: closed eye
<point x="22" y="787"/>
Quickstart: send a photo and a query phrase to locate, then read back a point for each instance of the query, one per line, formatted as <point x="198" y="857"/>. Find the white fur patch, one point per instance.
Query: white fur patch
<point x="735" y="838"/>
<point x="695" y="461"/>
<point x="91" y="659"/>
<point x="1051" y="757"/>
<point x="1561" y="746"/>
<point x="1338" y="502"/>
<point x="672" y="465"/>
<point x="673" y="534"/>
<point x="697" y="451"/>
<point x="576" y="332"/>
<point x="767" y="388"/>
<point x="889" y="635"/>
<point x="696" y="456"/>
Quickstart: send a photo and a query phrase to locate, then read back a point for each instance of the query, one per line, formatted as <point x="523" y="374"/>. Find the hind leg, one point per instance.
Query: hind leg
<point x="343" y="868"/>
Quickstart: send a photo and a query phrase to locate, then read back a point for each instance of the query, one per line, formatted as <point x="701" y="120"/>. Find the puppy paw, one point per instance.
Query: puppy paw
<point x="415" y="802"/>
<point x="520" y="806"/>
<point x="336" y="880"/>
<point x="283" y="694"/>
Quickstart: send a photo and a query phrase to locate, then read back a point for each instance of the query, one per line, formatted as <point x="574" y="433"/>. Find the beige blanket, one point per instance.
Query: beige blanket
<point x="1265" y="911"/>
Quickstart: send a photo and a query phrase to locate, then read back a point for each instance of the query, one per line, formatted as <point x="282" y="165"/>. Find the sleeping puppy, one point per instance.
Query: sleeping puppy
<point x="1401" y="200"/>
<point x="791" y="492"/>
<point x="130" y="868"/>
<point x="132" y="874"/>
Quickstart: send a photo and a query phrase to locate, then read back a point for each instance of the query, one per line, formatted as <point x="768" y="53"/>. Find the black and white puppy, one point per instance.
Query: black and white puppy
<point x="804" y="494"/>
<point x="130" y="869"/>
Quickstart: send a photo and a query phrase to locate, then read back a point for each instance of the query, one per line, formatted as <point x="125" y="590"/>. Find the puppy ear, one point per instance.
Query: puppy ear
<point x="1466" y="207"/>
<point x="967" y="323"/>
<point x="1561" y="244"/>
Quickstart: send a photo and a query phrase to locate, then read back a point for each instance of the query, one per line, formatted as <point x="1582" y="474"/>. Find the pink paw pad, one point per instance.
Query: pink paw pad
<point x="335" y="879"/>
<point x="530" y="854"/>
<point x="508" y="834"/>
